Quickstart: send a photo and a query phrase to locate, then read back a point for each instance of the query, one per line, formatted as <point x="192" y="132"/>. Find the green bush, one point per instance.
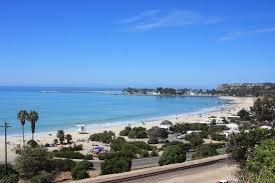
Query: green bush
<point x="74" y="148"/>
<point x="63" y="165"/>
<point x="144" y="154"/>
<point x="138" y="132"/>
<point x="33" y="160"/>
<point x="185" y="147"/>
<point x="42" y="177"/>
<point x="142" y="145"/>
<point x="71" y="155"/>
<point x="32" y="143"/>
<point x="80" y="171"/>
<point x="105" y="137"/>
<point x="194" y="139"/>
<point x="11" y="178"/>
<point x="172" y="154"/>
<point x="218" y="137"/>
<point x="156" y="132"/>
<point x="154" y="153"/>
<point x="85" y="165"/>
<point x="205" y="151"/>
<point x="152" y="141"/>
<point x="10" y="170"/>
<point x="126" y="131"/>
<point x="116" y="165"/>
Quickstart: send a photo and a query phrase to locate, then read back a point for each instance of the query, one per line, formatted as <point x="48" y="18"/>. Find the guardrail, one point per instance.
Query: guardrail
<point x="148" y="172"/>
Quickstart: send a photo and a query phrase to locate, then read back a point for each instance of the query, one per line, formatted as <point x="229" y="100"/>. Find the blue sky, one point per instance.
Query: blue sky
<point x="136" y="43"/>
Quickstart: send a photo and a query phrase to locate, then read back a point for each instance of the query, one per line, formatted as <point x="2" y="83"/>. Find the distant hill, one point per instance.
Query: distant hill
<point x="246" y="89"/>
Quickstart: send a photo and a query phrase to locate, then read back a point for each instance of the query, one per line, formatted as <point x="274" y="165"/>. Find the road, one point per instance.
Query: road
<point x="206" y="174"/>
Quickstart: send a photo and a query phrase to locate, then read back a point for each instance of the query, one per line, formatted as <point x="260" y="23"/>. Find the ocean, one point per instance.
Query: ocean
<point x="63" y="107"/>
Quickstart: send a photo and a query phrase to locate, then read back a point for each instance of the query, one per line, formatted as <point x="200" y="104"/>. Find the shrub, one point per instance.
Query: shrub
<point x="154" y="153"/>
<point x="172" y="154"/>
<point x="68" y="137"/>
<point x="71" y="155"/>
<point x="205" y="151"/>
<point x="74" y="148"/>
<point x="116" y="165"/>
<point x="61" y="136"/>
<point x="152" y="141"/>
<point x="138" y="132"/>
<point x="142" y="145"/>
<point x="144" y="154"/>
<point x="105" y="137"/>
<point x="32" y="143"/>
<point x="185" y="147"/>
<point x="126" y="131"/>
<point x="80" y="171"/>
<point x="33" y="160"/>
<point x="10" y="170"/>
<point x="156" y="132"/>
<point x="63" y="165"/>
<point x="42" y="177"/>
<point x="11" y="178"/>
<point x="218" y="137"/>
<point x="194" y="139"/>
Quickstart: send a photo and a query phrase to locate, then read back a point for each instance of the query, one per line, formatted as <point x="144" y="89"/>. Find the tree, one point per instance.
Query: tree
<point x="205" y="151"/>
<point x="33" y="160"/>
<point x="61" y="136"/>
<point x="166" y="122"/>
<point x="22" y="116"/>
<point x="244" y="114"/>
<point x="172" y="154"/>
<point x="68" y="137"/>
<point x="242" y="144"/>
<point x="263" y="109"/>
<point x="116" y="164"/>
<point x="260" y="165"/>
<point x="156" y="132"/>
<point x="33" y="118"/>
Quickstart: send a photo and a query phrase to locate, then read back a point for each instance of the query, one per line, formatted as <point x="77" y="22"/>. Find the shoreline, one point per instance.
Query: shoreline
<point x="112" y="124"/>
<point x="234" y="105"/>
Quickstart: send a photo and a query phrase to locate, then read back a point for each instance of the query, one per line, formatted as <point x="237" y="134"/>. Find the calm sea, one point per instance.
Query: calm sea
<point x="63" y="108"/>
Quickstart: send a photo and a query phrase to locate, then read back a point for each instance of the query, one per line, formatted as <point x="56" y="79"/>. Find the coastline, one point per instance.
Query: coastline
<point x="235" y="104"/>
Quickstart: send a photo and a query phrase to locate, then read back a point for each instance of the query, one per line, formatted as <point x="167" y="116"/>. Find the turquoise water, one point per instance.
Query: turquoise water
<point x="65" y="108"/>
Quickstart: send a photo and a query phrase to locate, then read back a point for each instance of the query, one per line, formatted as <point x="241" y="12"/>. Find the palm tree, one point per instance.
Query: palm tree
<point x="22" y="116"/>
<point x="33" y="118"/>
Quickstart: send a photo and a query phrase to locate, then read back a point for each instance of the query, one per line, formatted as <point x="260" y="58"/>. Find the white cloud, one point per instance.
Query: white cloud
<point x="153" y="19"/>
<point x="234" y="35"/>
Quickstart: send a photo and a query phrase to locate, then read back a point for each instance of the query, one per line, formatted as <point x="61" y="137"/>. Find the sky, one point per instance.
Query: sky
<point x="99" y="43"/>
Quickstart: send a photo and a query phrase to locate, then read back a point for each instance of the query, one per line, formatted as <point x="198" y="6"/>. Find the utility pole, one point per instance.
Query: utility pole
<point x="5" y="126"/>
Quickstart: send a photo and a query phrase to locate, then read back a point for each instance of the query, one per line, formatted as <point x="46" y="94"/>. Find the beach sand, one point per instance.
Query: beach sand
<point x="235" y="105"/>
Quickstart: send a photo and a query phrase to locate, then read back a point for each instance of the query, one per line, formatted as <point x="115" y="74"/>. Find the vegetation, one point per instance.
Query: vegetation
<point x="63" y="164"/>
<point x="42" y="177"/>
<point x="205" y="151"/>
<point x="32" y="143"/>
<point x="264" y="109"/>
<point x="156" y="132"/>
<point x="260" y="166"/>
<point x="61" y="136"/>
<point x="22" y="116"/>
<point x="80" y="171"/>
<point x="242" y="145"/>
<point x="138" y="133"/>
<point x="33" y="118"/>
<point x="71" y="155"/>
<point x="194" y="139"/>
<point x="32" y="160"/>
<point x="105" y="137"/>
<point x="126" y="131"/>
<point x="244" y="115"/>
<point x="172" y="154"/>
<point x="117" y="164"/>
<point x="11" y="178"/>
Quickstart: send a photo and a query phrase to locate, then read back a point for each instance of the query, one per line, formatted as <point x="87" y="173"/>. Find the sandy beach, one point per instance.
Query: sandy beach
<point x="235" y="105"/>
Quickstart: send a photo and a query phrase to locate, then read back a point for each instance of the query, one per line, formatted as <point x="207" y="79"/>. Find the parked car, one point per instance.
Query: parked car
<point x="223" y="181"/>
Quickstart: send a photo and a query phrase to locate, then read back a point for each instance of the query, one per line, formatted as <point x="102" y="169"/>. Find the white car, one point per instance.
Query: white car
<point x="181" y="136"/>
